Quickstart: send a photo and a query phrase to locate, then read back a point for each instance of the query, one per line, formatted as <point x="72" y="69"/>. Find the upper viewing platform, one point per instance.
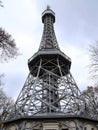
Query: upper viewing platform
<point x="48" y="11"/>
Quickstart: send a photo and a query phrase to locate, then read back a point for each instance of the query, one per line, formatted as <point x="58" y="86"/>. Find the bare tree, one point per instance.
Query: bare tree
<point x="1" y="76"/>
<point x="8" y="50"/>
<point x="93" y="53"/>
<point x="1" y="4"/>
<point x="8" y="47"/>
<point x="91" y="99"/>
<point x="6" y="105"/>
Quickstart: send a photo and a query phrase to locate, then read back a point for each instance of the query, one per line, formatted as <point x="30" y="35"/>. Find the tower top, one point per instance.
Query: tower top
<point x="48" y="40"/>
<point x="48" y="11"/>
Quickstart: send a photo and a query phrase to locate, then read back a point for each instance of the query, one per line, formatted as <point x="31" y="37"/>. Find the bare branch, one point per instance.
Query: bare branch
<point x="8" y="47"/>
<point x="1" y="76"/>
<point x="1" y="4"/>
<point x="93" y="52"/>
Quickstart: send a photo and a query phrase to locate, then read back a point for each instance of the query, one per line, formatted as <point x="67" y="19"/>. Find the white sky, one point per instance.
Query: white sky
<point x="76" y="27"/>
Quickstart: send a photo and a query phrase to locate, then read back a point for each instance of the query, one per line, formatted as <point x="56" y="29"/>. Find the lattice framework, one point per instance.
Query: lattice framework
<point x="50" y="87"/>
<point x="49" y="91"/>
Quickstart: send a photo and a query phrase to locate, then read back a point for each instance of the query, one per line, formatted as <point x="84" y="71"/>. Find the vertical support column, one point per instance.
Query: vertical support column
<point x="79" y="125"/>
<point x="32" y="96"/>
<point x="60" y="126"/>
<point x="41" y="127"/>
<point x="23" y="125"/>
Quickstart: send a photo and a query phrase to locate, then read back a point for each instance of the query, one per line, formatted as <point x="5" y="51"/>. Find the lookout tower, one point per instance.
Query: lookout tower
<point x="50" y="98"/>
<point x="49" y="88"/>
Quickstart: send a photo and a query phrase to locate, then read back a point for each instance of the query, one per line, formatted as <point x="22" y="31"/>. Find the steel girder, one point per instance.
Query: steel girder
<point x="49" y="92"/>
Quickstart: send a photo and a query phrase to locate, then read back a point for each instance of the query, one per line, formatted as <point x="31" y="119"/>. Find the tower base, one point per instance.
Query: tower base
<point x="51" y="122"/>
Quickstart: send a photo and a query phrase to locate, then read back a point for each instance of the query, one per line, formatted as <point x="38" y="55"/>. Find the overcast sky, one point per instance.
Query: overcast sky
<point x="76" y="27"/>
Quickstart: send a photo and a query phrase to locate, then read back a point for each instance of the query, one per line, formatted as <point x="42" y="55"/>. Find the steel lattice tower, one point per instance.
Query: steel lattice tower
<point x="50" y="87"/>
<point x="50" y="98"/>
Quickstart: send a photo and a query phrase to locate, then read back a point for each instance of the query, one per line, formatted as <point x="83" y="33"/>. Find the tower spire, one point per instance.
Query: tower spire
<point x="48" y="40"/>
<point x="48" y="7"/>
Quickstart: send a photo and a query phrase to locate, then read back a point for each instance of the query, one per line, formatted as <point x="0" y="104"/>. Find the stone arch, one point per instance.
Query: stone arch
<point x="70" y="125"/>
<point x="89" y="126"/>
<point x="32" y="125"/>
<point x="12" y="126"/>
